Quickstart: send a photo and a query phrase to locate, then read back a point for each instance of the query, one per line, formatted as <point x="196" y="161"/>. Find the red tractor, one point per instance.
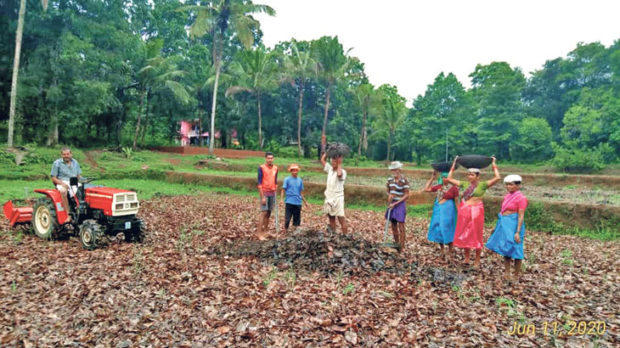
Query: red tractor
<point x="96" y="213"/>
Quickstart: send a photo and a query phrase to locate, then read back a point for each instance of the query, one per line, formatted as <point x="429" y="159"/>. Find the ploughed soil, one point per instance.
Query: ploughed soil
<point x="201" y="279"/>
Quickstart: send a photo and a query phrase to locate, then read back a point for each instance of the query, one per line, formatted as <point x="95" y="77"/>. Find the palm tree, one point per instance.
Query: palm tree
<point x="158" y="74"/>
<point x="333" y="62"/>
<point x="18" y="50"/>
<point x="215" y="18"/>
<point x="254" y="71"/>
<point x="366" y="99"/>
<point x="390" y="113"/>
<point x="298" y="68"/>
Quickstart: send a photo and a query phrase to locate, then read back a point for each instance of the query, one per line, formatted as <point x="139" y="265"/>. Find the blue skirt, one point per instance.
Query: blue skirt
<point x="443" y="222"/>
<point x="502" y="241"/>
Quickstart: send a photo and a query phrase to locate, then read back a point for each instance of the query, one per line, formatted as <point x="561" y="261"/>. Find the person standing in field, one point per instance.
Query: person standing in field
<point x="443" y="222"/>
<point x="398" y="192"/>
<point x="507" y="239"/>
<point x="470" y="216"/>
<point x="267" y="187"/>
<point x="293" y="186"/>
<point x="334" y="192"/>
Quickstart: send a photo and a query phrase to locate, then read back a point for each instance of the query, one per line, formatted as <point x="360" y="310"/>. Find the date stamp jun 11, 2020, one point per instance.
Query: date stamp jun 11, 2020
<point x="558" y="329"/>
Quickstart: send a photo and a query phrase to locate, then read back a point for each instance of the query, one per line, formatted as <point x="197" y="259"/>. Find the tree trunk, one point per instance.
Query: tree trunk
<point x="173" y="128"/>
<point x="301" y="102"/>
<point x="260" y="122"/>
<point x="135" y="137"/>
<point x="217" y="56"/>
<point x="327" y="95"/>
<point x="389" y="141"/>
<point x="146" y="119"/>
<point x="18" y="49"/>
<point x="52" y="135"/>
<point x="363" y="131"/>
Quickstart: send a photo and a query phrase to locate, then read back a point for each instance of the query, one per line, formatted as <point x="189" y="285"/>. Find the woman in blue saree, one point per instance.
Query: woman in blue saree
<point x="507" y="239"/>
<point x="443" y="221"/>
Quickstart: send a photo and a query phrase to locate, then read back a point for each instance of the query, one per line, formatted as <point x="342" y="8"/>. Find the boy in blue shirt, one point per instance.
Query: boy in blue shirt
<point x="293" y="186"/>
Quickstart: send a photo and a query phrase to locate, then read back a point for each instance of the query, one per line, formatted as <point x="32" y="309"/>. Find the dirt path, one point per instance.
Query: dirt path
<point x="90" y="159"/>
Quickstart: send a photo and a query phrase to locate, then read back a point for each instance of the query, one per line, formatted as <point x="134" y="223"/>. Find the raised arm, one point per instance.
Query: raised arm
<point x="429" y="183"/>
<point x="497" y="177"/>
<point x="449" y="178"/>
<point x="339" y="170"/>
<point x="324" y="159"/>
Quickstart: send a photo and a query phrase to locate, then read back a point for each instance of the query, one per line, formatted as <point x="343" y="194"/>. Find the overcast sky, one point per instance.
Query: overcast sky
<point x="408" y="43"/>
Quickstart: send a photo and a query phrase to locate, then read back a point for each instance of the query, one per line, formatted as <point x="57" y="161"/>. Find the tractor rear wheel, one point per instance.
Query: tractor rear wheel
<point x="91" y="234"/>
<point x="44" y="221"/>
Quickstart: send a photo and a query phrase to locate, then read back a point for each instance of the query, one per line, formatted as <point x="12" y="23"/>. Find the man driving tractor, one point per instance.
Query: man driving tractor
<point x="62" y="170"/>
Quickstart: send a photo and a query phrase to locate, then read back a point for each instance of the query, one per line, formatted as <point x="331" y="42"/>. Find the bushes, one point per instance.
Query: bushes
<point x="578" y="160"/>
<point x="6" y="158"/>
<point x="533" y="143"/>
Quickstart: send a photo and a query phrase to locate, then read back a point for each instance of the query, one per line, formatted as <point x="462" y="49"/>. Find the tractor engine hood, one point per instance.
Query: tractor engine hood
<point x="113" y="202"/>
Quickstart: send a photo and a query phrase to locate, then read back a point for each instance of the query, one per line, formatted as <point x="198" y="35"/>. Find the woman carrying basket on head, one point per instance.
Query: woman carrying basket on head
<point x="507" y="239"/>
<point x="443" y="221"/>
<point x="470" y="221"/>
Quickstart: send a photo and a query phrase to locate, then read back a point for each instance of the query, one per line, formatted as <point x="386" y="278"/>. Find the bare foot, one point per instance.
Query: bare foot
<point x="476" y="265"/>
<point x="261" y="237"/>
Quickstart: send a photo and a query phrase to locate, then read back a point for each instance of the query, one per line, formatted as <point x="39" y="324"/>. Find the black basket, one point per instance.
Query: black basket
<point x="475" y="161"/>
<point x="443" y="167"/>
<point x="337" y="150"/>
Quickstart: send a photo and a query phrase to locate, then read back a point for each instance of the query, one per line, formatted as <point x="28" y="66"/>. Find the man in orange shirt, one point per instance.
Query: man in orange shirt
<point x="267" y="186"/>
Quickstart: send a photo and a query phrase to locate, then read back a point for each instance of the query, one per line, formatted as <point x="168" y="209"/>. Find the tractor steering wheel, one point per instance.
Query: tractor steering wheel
<point x="86" y="180"/>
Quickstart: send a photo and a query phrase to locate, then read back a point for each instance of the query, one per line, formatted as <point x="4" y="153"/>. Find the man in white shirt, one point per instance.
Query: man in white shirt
<point x="334" y="192"/>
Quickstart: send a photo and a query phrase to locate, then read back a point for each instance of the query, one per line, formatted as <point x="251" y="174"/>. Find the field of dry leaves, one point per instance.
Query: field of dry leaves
<point x="200" y="279"/>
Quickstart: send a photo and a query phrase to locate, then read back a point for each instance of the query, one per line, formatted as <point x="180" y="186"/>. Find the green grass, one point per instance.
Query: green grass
<point x="18" y="182"/>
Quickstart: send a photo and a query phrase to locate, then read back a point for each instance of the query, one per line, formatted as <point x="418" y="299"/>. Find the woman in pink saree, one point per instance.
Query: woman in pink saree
<point x="470" y="217"/>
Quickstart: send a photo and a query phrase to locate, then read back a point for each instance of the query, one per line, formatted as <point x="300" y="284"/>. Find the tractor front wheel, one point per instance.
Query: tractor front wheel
<point x="141" y="235"/>
<point x="44" y="221"/>
<point x="91" y="234"/>
<point x="136" y="234"/>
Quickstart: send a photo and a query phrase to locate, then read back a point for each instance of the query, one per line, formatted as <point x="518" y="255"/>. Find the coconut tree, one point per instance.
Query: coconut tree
<point x="221" y="19"/>
<point x="18" y="49"/>
<point x="299" y="67"/>
<point x="367" y="99"/>
<point x="390" y="113"/>
<point x="333" y="63"/>
<point x="158" y="74"/>
<point x="254" y="72"/>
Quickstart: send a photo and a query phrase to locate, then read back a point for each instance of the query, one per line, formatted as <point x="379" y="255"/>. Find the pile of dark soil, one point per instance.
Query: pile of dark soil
<point x="337" y="150"/>
<point x="333" y="253"/>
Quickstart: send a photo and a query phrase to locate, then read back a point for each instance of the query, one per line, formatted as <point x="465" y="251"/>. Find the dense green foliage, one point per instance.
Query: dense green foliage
<point x="122" y="73"/>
